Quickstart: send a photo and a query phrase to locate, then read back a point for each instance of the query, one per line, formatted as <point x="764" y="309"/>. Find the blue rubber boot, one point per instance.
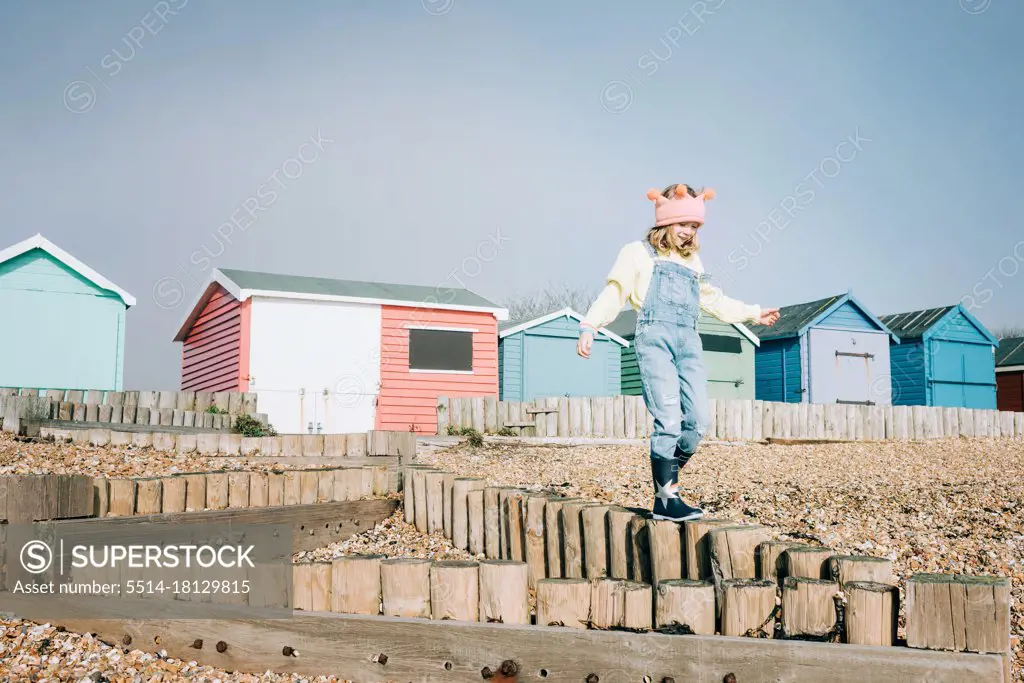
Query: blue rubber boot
<point x="667" y="503"/>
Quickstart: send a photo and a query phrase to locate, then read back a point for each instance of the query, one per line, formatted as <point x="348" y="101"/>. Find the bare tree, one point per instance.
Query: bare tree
<point x="550" y="298"/>
<point x="1009" y="332"/>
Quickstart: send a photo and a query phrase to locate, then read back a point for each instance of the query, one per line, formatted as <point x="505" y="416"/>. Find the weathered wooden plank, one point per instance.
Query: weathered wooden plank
<point x="425" y="650"/>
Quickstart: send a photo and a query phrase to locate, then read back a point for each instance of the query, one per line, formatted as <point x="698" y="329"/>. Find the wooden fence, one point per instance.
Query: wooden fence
<point x="230" y="402"/>
<point x="626" y="417"/>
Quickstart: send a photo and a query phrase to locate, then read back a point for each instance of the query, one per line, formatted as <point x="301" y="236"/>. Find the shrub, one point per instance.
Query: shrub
<point x="475" y="438"/>
<point x="507" y="431"/>
<point x="247" y="425"/>
<point x="216" y="411"/>
<point x="452" y="430"/>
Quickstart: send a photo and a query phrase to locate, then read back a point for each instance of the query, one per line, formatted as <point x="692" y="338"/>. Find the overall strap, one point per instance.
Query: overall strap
<point x="650" y="250"/>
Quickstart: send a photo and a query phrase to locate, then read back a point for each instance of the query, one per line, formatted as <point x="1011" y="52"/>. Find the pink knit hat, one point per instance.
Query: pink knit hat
<point x="681" y="209"/>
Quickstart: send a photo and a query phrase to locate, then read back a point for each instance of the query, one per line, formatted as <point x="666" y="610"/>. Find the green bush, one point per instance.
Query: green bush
<point x="452" y="430"/>
<point x="507" y="431"/>
<point x="216" y="411"/>
<point x="247" y="425"/>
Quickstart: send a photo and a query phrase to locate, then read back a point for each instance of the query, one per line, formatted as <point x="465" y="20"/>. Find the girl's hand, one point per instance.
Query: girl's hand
<point x="584" y="344"/>
<point x="769" y="317"/>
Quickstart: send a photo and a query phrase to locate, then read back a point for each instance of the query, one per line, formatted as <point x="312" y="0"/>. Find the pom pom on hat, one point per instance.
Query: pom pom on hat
<point x="681" y="190"/>
<point x="653" y="195"/>
<point x="708" y="194"/>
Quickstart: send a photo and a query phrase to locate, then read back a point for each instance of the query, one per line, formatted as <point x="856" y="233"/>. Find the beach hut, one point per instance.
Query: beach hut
<point x="64" y="322"/>
<point x="336" y="356"/>
<point x="728" y="356"/>
<point x="538" y="359"/>
<point x="945" y="358"/>
<point x="1010" y="374"/>
<point x="832" y="350"/>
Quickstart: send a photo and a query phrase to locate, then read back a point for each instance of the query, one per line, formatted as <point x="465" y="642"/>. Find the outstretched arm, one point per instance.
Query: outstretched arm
<point x="728" y="310"/>
<point x="610" y="301"/>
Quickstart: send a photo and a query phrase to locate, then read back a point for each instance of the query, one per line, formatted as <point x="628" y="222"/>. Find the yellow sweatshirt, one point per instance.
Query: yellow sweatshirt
<point x="631" y="275"/>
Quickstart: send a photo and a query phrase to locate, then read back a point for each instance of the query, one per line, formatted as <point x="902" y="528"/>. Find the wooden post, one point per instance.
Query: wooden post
<point x="563" y="602"/>
<point x="748" y="607"/>
<point x="595" y="541"/>
<point x="536" y="566"/>
<point x="309" y="486"/>
<point x="302" y="586"/>
<point x="772" y="563"/>
<point x="321" y="587"/>
<point x="572" y="532"/>
<point x="275" y="489"/>
<point x="503" y="592"/>
<point x="447" y="503"/>
<point x="434" y="483"/>
<point x="419" y="482"/>
<point x="238" y="490"/>
<point x="807" y="561"/>
<point x="148" y="500"/>
<point x="454" y="591"/>
<point x="808" y="607"/>
<point x="959" y="613"/>
<point x="607" y="603"/>
<point x="512" y="516"/>
<point x="872" y="613"/>
<point x="475" y="503"/>
<point x="640" y="550"/>
<point x="698" y="558"/>
<point x="174" y="494"/>
<point x="846" y="568"/>
<point x="619" y="542"/>
<point x="666" y="544"/>
<point x="259" y="487"/>
<point x="734" y="550"/>
<point x="217" y="489"/>
<point x="291" y="491"/>
<point x="409" y="494"/>
<point x="555" y="535"/>
<point x="461" y="486"/>
<point x="405" y="587"/>
<point x="326" y="485"/>
<point x="195" y="492"/>
<point x="685" y="605"/>
<point x="355" y="584"/>
<point x="492" y="531"/>
<point x="638" y="606"/>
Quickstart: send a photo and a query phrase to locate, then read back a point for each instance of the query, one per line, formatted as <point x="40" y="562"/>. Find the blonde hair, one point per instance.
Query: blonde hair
<point x="661" y="238"/>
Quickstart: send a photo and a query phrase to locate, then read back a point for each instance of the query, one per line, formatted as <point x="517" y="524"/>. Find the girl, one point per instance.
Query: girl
<point x="668" y="347"/>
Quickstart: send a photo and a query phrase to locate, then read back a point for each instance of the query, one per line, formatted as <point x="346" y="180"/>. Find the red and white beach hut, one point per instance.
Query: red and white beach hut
<point x="335" y="356"/>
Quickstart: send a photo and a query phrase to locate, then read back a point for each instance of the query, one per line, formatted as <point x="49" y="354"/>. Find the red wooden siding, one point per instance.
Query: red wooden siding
<point x="215" y="352"/>
<point x="1010" y="391"/>
<point x="410" y="398"/>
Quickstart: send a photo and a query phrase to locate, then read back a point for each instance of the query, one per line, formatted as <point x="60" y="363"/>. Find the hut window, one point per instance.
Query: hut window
<point x="440" y="350"/>
<point x="721" y="343"/>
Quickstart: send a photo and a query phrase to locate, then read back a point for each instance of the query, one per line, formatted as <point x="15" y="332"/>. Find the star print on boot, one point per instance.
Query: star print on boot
<point x="667" y="503"/>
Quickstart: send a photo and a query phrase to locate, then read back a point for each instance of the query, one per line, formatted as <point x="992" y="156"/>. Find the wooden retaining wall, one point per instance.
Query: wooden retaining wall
<point x="231" y="402"/>
<point x="14" y="409"/>
<point x="374" y="443"/>
<point x="626" y="417"/>
<point x="593" y="563"/>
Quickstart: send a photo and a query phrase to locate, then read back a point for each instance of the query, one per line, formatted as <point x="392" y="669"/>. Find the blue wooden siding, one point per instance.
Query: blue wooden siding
<point x="552" y="368"/>
<point x="907" y="362"/>
<point x="847" y="317"/>
<point x="777" y="371"/>
<point x="630" y="373"/>
<point x="510" y="365"/>
<point x="956" y="327"/>
<point x="70" y="333"/>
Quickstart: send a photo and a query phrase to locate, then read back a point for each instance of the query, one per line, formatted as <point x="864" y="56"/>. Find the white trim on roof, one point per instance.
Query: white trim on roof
<point x="745" y="331"/>
<point x="37" y="241"/>
<point x="1009" y="368"/>
<point x="565" y="312"/>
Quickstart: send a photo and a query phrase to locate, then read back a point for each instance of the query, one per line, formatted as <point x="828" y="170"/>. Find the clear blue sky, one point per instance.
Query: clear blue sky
<point x="130" y="135"/>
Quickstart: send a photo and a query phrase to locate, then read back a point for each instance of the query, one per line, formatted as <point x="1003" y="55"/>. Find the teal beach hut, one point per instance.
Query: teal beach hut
<point x="945" y="358"/>
<point x="64" y="322"/>
<point x="537" y="359"/>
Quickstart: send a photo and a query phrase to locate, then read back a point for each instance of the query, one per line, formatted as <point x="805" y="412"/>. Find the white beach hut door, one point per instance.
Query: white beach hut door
<point x="848" y="366"/>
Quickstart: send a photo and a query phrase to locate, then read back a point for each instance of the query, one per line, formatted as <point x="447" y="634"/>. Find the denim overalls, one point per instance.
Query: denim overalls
<point x="669" y="353"/>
